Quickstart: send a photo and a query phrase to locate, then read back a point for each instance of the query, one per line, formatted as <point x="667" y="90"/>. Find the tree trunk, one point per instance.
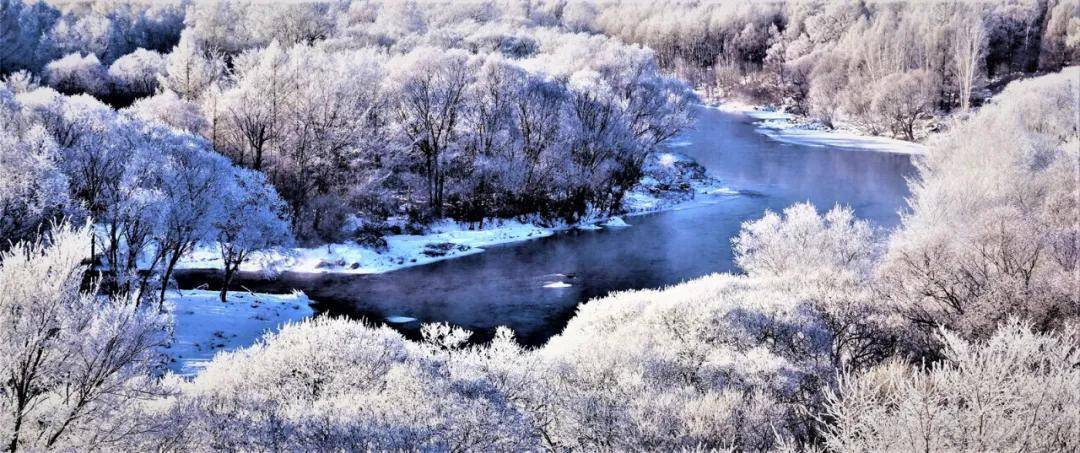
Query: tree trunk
<point x="169" y="266"/>
<point x="14" y="445"/>
<point x="226" y="281"/>
<point x="258" y="158"/>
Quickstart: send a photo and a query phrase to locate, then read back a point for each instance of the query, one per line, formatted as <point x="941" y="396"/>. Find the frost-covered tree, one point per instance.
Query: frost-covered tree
<point x="1061" y="38"/>
<point x="969" y="51"/>
<point x="91" y="146"/>
<point x="90" y="33"/>
<point x="77" y="73"/>
<point x="169" y="109"/>
<point x="1018" y="389"/>
<point x="251" y="218"/>
<point x="33" y="190"/>
<point x="255" y="106"/>
<point x="194" y="178"/>
<point x="993" y="225"/>
<point x="430" y="86"/>
<point x="902" y="99"/>
<point x="333" y="139"/>
<point x="218" y="27"/>
<point x="189" y="70"/>
<point x="24" y="31"/>
<point x="136" y="74"/>
<point x="75" y="365"/>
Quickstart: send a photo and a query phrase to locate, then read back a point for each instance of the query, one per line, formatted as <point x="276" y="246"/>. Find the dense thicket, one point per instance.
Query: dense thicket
<point x="153" y="193"/>
<point x="473" y="110"/>
<point x="433" y="132"/>
<point x="374" y="110"/>
<point x="881" y="65"/>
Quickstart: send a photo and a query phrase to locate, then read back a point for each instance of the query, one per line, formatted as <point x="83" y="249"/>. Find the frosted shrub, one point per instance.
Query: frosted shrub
<point x="335" y="384"/>
<point x="74" y="365"/>
<point x="136" y="74"/>
<point x="993" y="229"/>
<point x="716" y="363"/>
<point x="1016" y="391"/>
<point x="77" y="73"/>
<point x="803" y="242"/>
<point x="827" y="260"/>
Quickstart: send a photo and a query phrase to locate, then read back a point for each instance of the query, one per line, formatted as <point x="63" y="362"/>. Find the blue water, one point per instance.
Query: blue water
<point x="505" y="285"/>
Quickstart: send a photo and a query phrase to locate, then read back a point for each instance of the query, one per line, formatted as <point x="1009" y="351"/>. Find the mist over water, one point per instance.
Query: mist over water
<point x="533" y="287"/>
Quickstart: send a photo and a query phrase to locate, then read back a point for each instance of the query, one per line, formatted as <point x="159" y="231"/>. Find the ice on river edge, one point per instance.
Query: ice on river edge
<point x="788" y="128"/>
<point x="557" y="285"/>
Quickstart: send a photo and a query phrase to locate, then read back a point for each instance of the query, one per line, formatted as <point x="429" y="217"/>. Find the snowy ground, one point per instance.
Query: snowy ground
<point x="203" y="325"/>
<point x="788" y="128"/>
<point x="672" y="181"/>
<point x="445" y="240"/>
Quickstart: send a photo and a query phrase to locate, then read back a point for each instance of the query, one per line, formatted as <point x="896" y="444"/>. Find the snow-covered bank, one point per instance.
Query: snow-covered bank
<point x="445" y="240"/>
<point x="203" y="325"/>
<point x="788" y="128"/>
<point x="671" y="181"/>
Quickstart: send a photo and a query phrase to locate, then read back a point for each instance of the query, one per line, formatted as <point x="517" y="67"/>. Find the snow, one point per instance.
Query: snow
<point x="203" y="325"/>
<point x="557" y="285"/>
<point x="839" y="139"/>
<point x="723" y="191"/>
<point x="616" y="222"/>
<point x="672" y="181"/>
<point x="788" y="128"/>
<point x="446" y="240"/>
<point x="678" y="143"/>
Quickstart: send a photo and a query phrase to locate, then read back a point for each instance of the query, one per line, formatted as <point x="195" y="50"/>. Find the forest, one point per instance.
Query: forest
<point x="135" y="134"/>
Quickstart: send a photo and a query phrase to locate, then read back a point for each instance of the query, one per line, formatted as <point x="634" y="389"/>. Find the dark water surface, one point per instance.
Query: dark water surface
<point x="505" y="284"/>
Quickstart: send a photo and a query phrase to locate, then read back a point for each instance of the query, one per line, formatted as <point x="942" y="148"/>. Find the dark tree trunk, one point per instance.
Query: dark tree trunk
<point x="226" y="281"/>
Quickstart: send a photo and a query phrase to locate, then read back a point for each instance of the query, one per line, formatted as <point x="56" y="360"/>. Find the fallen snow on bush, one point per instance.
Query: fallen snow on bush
<point x="204" y="326"/>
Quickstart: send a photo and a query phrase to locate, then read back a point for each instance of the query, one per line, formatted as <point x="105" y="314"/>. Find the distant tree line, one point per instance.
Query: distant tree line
<point x="881" y="65"/>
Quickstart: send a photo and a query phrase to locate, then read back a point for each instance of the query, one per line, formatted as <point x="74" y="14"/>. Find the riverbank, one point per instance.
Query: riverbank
<point x="204" y="326"/>
<point x="535" y="287"/>
<point x="671" y="181"/>
<point x="798" y="130"/>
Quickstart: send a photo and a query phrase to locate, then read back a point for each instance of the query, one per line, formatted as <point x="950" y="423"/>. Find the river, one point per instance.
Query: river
<point x="505" y="286"/>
